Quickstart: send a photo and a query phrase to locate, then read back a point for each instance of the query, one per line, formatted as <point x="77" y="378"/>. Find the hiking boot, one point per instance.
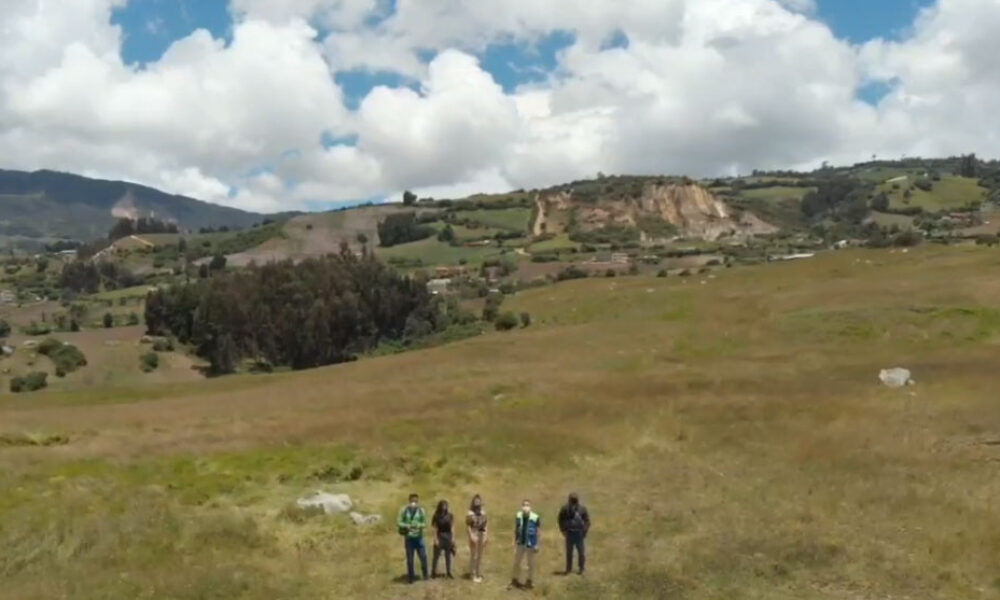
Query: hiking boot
<point x="514" y="584"/>
<point x="528" y="585"/>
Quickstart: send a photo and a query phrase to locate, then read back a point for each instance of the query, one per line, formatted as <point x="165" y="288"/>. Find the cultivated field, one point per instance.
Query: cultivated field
<point x="729" y="436"/>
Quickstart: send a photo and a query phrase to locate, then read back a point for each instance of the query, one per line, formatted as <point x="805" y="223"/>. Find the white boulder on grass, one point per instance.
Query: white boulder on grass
<point x="330" y="504"/>
<point x="896" y="378"/>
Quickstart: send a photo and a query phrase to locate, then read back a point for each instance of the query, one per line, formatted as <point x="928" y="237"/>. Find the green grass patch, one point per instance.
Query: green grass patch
<point x="430" y="252"/>
<point x="558" y="243"/>
<point x="777" y="193"/>
<point x="509" y="219"/>
<point x="950" y="193"/>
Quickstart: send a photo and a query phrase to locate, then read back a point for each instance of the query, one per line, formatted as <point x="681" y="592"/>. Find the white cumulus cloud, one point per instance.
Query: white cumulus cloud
<point x="707" y="87"/>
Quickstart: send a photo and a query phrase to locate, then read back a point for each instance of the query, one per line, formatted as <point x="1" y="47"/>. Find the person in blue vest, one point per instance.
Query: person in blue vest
<point x="411" y="523"/>
<point x="527" y="538"/>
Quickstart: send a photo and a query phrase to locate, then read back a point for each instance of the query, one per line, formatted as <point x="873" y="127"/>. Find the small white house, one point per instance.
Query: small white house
<point x="438" y="286"/>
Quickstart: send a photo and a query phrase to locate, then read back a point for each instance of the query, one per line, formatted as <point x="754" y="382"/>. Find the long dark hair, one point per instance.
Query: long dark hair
<point x="472" y="503"/>
<point x="440" y="511"/>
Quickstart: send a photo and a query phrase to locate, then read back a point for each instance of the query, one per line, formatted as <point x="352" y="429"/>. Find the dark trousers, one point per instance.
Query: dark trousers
<point x="415" y="545"/>
<point x="575" y="540"/>
<point x="438" y="549"/>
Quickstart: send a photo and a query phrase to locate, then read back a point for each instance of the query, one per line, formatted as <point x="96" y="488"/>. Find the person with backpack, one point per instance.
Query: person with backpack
<point x="574" y="523"/>
<point x="444" y="540"/>
<point x="411" y="523"/>
<point x="527" y="537"/>
<point x="475" y="523"/>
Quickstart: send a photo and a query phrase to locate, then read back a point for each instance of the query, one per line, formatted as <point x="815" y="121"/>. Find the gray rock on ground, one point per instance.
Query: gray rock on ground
<point x="331" y="504"/>
<point x="896" y="378"/>
<point x="360" y="519"/>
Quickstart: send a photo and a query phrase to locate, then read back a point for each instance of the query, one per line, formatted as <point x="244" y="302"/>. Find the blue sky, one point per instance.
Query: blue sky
<point x="150" y="27"/>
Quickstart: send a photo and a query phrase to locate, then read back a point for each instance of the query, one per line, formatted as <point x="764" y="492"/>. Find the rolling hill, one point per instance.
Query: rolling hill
<point x="49" y="204"/>
<point x="730" y="438"/>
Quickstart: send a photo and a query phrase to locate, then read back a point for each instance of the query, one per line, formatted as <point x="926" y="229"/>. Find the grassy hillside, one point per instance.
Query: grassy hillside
<point x="950" y="193"/>
<point x="729" y="436"/>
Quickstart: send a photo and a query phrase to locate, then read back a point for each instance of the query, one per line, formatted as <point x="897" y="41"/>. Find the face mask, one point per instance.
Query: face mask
<point x="413" y="504"/>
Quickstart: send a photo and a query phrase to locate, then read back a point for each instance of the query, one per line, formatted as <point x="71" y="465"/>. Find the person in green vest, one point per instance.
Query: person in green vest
<point x="527" y="538"/>
<point x="411" y="523"/>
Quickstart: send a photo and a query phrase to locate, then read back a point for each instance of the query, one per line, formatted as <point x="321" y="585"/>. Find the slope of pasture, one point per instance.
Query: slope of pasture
<point x="779" y="205"/>
<point x="112" y="360"/>
<point x="430" y="251"/>
<point x="321" y="233"/>
<point x="951" y="193"/>
<point x="510" y="219"/>
<point x="729" y="437"/>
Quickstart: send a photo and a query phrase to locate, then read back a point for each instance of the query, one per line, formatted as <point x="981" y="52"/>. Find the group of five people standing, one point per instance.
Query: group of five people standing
<point x="574" y="524"/>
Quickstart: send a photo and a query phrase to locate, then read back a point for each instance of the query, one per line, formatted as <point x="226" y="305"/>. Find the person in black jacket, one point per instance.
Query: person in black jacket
<point x="574" y="523"/>
<point x="444" y="537"/>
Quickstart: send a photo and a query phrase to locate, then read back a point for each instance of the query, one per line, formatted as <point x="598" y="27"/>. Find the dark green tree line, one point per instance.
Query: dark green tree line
<point x="316" y="312"/>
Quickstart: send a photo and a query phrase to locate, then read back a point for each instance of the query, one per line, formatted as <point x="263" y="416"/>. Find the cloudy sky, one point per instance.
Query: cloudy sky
<point x="271" y="105"/>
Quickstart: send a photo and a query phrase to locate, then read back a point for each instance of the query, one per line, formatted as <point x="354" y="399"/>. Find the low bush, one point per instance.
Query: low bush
<point x="66" y="357"/>
<point x="29" y="383"/>
<point x="571" y="272"/>
<point x="149" y="362"/>
<point x="506" y="321"/>
<point x="163" y="345"/>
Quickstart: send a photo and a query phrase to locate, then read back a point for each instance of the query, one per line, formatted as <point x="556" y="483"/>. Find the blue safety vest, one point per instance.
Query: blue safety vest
<point x="527" y="529"/>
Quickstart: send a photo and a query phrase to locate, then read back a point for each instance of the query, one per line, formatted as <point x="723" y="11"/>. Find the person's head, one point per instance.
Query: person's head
<point x="477" y="503"/>
<point x="414" y="500"/>
<point x="574" y="499"/>
<point x="442" y="507"/>
<point x="526" y="506"/>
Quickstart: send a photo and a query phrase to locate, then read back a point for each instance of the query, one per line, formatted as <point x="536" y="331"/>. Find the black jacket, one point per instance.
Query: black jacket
<point x="574" y="519"/>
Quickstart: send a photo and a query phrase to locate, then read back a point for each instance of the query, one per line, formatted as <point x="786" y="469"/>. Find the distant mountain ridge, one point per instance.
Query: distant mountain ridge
<point x="50" y="204"/>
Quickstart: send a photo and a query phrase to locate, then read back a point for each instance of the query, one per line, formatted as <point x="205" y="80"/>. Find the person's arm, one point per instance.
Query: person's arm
<point x="562" y="520"/>
<point x="538" y="535"/>
<point x="468" y="526"/>
<point x="586" y="521"/>
<point x="400" y="523"/>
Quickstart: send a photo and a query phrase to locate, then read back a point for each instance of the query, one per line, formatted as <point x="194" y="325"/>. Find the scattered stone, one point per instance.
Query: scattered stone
<point x="7" y="350"/>
<point x="331" y="504"/>
<point x="30" y="344"/>
<point x="360" y="519"/>
<point x="896" y="378"/>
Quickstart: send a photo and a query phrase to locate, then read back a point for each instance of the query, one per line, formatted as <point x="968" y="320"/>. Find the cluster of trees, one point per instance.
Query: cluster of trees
<point x="317" y="312"/>
<point x="126" y="227"/>
<point x="88" y="277"/>
<point x="843" y="198"/>
<point x="61" y="245"/>
<point x="967" y="166"/>
<point x="609" y="234"/>
<point x="402" y="228"/>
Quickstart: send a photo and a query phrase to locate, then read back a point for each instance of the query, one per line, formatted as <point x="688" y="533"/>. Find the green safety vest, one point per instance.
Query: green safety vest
<point x="412" y="523"/>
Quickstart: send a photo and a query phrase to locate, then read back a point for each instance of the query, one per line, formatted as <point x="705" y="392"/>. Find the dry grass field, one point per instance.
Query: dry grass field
<point x="729" y="436"/>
